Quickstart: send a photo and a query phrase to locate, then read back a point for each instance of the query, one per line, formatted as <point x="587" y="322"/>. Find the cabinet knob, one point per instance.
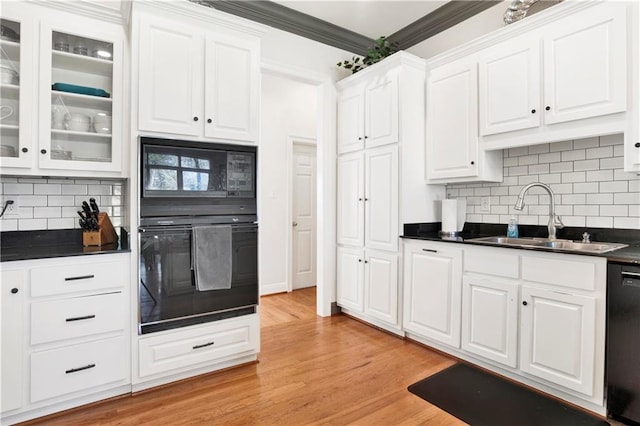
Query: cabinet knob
<point x="366" y="261"/>
<point x="533" y="111"/>
<point x="473" y="162"/>
<point x="366" y="137"/>
<point x="524" y="303"/>
<point x="209" y="120"/>
<point x="43" y="151"/>
<point x="195" y="118"/>
<point x="359" y="138"/>
<point x="359" y="199"/>
<point x="366" y="199"/>
<point x="359" y="260"/>
<point x="548" y="108"/>
<point x="25" y="149"/>
<point x="14" y="290"/>
<point x="637" y="145"/>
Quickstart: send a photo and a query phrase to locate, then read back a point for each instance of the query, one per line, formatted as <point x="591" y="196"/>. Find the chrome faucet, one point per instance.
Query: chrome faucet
<point x="554" y="220"/>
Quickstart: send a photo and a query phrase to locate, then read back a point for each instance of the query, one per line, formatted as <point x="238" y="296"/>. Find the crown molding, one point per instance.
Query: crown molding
<point x="286" y="19"/>
<point x="442" y="18"/>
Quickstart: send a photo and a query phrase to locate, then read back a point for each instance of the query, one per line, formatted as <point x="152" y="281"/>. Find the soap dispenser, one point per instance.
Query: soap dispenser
<point x="512" y="227"/>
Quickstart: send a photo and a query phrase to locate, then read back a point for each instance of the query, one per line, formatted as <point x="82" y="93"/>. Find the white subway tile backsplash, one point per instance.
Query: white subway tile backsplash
<point x="586" y="175"/>
<point x="32" y="224"/>
<point x="32" y="200"/>
<point x="99" y="190"/>
<point x="61" y="223"/>
<point x="8" y="225"/>
<point x="17" y="188"/>
<point x="46" y="189"/>
<point x="61" y="200"/>
<point x="74" y="189"/>
<point x="46" y="212"/>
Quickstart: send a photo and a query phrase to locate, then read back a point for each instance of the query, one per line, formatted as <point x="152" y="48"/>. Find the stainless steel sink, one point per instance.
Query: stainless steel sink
<point x="545" y="243"/>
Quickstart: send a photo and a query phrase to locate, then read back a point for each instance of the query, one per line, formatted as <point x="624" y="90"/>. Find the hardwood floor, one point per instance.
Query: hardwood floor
<point x="311" y="370"/>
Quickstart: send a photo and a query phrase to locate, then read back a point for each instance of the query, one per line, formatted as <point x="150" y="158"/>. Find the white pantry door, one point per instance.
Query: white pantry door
<point x="304" y="216"/>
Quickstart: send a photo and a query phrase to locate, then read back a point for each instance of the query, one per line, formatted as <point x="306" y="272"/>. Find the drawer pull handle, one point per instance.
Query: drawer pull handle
<point x="80" y="318"/>
<point x="75" y="370"/>
<point x="204" y="345"/>
<point x="630" y="274"/>
<point x="430" y="250"/>
<point x="81" y="277"/>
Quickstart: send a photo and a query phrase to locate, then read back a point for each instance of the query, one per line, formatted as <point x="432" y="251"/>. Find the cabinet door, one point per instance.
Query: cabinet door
<point x="381" y="111"/>
<point x="381" y="198"/>
<point x="351" y="278"/>
<point x="490" y="318"/>
<point x="170" y="75"/>
<point x="452" y="121"/>
<point x="232" y="87"/>
<point x="558" y="338"/>
<point x="585" y="64"/>
<point x="81" y="128"/>
<point x="381" y="286"/>
<point x="432" y="292"/>
<point x="12" y="344"/>
<point x="351" y="199"/>
<point x="16" y="96"/>
<point x="351" y="120"/>
<point x="509" y="86"/>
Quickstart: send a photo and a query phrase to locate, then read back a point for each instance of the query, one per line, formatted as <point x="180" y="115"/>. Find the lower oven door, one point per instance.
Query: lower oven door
<point x="168" y="296"/>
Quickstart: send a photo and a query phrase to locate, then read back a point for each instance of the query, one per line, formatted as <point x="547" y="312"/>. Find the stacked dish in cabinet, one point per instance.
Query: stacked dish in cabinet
<point x="9" y="87"/>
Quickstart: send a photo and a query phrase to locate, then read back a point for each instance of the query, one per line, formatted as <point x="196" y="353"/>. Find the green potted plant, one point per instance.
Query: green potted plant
<point x="378" y="52"/>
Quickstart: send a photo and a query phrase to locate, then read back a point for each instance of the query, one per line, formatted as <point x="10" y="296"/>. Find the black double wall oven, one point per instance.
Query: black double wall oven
<point x="198" y="233"/>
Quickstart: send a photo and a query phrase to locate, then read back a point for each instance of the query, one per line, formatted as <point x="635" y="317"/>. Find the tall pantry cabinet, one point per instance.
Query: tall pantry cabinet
<point x="380" y="131"/>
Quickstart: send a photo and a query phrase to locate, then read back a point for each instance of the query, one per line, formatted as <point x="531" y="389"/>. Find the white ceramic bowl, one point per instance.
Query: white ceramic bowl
<point x="77" y="122"/>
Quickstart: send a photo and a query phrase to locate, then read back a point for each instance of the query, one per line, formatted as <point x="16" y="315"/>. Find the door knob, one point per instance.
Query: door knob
<point x="295" y="224"/>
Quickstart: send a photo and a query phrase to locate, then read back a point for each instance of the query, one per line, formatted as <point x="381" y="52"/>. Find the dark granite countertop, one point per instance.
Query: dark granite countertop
<point x="630" y="254"/>
<point x="42" y="244"/>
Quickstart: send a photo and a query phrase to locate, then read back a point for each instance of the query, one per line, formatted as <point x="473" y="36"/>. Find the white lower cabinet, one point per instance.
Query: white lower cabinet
<point x="13" y="290"/>
<point x="490" y="318"/>
<point x="558" y="338"/>
<point x="204" y="344"/>
<point x="432" y="291"/>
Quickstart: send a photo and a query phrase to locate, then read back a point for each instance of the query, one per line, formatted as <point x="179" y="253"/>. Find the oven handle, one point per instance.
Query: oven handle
<point x="234" y="226"/>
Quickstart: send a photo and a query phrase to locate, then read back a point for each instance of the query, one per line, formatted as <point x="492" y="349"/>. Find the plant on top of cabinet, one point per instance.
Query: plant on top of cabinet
<point x="378" y="52"/>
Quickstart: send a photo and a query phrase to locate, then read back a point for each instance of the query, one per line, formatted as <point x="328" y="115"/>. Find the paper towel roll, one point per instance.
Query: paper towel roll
<point x="462" y="214"/>
<point x="449" y="215"/>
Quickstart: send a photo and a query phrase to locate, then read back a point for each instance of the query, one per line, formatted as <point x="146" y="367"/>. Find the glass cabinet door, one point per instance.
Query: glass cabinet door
<point x="15" y="73"/>
<point x="81" y="99"/>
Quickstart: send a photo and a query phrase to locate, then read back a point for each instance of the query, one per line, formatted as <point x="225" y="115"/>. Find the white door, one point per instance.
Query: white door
<point x="558" y="337"/>
<point x="381" y="286"/>
<point x="351" y="199"/>
<point x="433" y="286"/>
<point x="585" y="62"/>
<point x="350" y="280"/>
<point x="381" y="198"/>
<point x="12" y="354"/>
<point x="232" y="88"/>
<point x="171" y="92"/>
<point x="304" y="216"/>
<point x="490" y="318"/>
<point x="381" y="111"/>
<point x="351" y="120"/>
<point x="452" y="121"/>
<point x="509" y="85"/>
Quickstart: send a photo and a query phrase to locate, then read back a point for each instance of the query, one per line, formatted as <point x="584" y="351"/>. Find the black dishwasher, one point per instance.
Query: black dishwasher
<point x="623" y="342"/>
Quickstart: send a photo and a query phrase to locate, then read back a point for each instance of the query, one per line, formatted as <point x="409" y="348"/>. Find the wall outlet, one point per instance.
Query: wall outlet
<point x="485" y="204"/>
<point x="12" y="209"/>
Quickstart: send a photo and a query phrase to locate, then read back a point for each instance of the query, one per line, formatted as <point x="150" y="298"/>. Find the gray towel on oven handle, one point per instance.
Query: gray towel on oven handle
<point x="211" y="252"/>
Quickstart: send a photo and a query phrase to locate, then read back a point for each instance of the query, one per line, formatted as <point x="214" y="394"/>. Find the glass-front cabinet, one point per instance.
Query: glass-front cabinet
<point x="61" y="92"/>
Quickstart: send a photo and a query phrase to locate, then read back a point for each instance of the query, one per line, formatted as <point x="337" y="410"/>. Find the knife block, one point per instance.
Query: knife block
<point x="104" y="235"/>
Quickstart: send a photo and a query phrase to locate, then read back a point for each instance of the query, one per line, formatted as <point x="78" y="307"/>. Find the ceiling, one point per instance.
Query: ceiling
<point x="373" y="18"/>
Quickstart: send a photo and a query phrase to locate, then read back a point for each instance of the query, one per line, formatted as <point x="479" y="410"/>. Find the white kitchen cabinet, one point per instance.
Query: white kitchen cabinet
<point x="368" y="198"/>
<point x="453" y="151"/>
<point x="12" y="349"/>
<point x="583" y="59"/>
<point x="558" y="338"/>
<point x="197" y="82"/>
<point x="368" y="113"/>
<point x="432" y="291"/>
<point x="490" y="318"/>
<point x="350" y="279"/>
<point x="70" y="94"/>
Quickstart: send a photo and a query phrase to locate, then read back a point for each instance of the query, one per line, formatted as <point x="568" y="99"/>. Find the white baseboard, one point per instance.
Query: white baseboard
<point x="273" y="288"/>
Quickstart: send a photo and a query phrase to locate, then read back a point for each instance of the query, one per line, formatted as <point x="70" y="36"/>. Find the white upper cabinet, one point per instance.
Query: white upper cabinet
<point x="350" y="199"/>
<point x="63" y="112"/>
<point x="368" y="113"/>
<point x="509" y="84"/>
<point x="197" y="82"/>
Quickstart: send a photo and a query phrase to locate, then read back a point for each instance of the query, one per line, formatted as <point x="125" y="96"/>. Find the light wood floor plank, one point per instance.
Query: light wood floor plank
<point x="311" y="371"/>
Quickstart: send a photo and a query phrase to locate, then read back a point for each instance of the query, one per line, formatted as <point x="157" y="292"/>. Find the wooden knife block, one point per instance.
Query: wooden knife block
<point x="104" y="235"/>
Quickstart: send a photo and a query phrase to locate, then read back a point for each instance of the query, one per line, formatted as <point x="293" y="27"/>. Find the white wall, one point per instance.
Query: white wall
<point x="289" y="109"/>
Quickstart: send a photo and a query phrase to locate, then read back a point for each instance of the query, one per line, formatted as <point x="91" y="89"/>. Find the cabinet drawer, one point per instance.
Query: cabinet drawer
<point x="78" y="367"/>
<point x="76" y="317"/>
<point x="77" y="277"/>
<point x="492" y="261"/>
<point x="561" y="270"/>
<point x="198" y="345"/>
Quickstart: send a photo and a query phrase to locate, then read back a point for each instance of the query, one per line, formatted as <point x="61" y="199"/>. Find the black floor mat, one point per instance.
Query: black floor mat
<point x="480" y="398"/>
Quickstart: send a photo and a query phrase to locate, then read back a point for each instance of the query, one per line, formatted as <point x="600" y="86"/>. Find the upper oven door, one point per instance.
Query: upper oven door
<point x="196" y="172"/>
